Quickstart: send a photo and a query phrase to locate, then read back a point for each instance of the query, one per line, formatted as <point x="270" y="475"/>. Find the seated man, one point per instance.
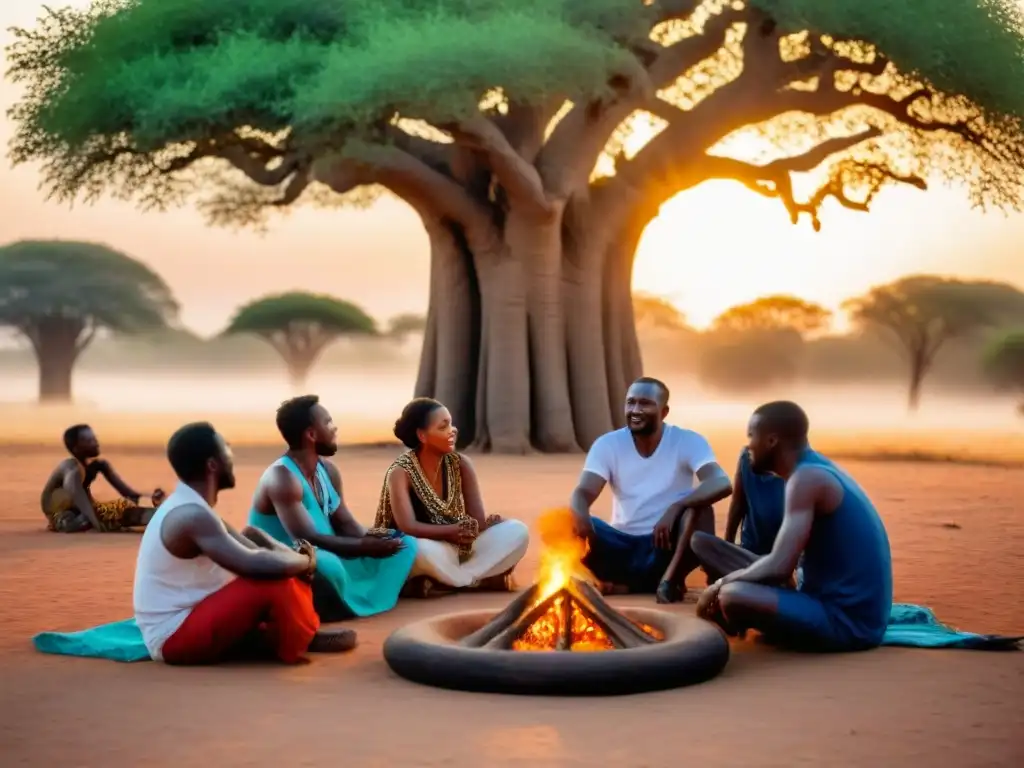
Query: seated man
<point x="67" y="498"/>
<point x="757" y="503"/>
<point x="650" y="466"/>
<point x="300" y="497"/>
<point x="845" y="597"/>
<point x="204" y="592"/>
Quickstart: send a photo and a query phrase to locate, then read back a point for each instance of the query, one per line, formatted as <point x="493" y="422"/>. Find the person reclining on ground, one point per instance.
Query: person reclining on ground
<point x="656" y="509"/>
<point x="300" y="497"/>
<point x="432" y="492"/>
<point x="205" y="593"/>
<point x="67" y="499"/>
<point x="829" y="526"/>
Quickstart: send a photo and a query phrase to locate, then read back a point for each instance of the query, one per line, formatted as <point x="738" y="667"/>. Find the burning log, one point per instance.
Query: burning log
<point x="614" y="624"/>
<point x="564" y="642"/>
<point x="502" y="621"/>
<point x="504" y="639"/>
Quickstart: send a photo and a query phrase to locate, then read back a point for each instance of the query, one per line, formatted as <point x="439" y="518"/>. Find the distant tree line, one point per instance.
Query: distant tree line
<point x="59" y="295"/>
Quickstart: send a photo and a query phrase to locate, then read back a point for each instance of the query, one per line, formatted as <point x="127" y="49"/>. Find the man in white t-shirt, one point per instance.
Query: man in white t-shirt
<point x="656" y="508"/>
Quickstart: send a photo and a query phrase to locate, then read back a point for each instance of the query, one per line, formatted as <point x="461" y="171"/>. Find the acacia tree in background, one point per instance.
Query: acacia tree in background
<point x="774" y="313"/>
<point x="300" y="326"/>
<point x="922" y="313"/>
<point x="503" y="124"/>
<point x="401" y="326"/>
<point x="59" y="294"/>
<point x="759" y="343"/>
<point x="1004" y="363"/>
<point x="657" y="313"/>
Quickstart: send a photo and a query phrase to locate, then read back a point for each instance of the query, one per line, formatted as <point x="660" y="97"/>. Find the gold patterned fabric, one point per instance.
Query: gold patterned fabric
<point x="61" y="512"/>
<point x="449" y="511"/>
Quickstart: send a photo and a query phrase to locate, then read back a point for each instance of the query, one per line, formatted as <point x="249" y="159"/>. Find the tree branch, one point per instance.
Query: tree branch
<point x="520" y="179"/>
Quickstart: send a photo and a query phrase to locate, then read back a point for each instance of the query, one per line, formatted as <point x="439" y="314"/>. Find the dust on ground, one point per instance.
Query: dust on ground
<point x="890" y="707"/>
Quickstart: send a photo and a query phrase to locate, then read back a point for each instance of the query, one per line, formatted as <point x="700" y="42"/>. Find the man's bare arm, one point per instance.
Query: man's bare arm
<point x="712" y="485"/>
<point x="737" y="508"/>
<point x="805" y="492"/>
<point x="117" y="483"/>
<point x="73" y="485"/>
<point x="285" y="493"/>
<point x="192" y="526"/>
<point x="583" y="497"/>
<point x="343" y="521"/>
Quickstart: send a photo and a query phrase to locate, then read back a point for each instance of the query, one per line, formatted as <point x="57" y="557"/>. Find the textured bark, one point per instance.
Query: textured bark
<point x="538" y="245"/>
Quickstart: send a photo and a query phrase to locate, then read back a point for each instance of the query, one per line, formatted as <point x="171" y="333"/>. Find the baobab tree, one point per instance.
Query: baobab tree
<point x="59" y="294"/>
<point x="300" y="326"/>
<point x="502" y="124"/>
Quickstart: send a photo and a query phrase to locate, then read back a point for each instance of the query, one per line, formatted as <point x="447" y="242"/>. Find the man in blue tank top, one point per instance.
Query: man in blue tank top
<point x="845" y="597"/>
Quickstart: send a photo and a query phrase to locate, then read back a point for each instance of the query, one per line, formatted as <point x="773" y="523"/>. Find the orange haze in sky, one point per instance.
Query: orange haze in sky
<point x="710" y="248"/>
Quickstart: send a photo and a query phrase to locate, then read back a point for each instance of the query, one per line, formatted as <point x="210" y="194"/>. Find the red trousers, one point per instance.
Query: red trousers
<point x="247" y="618"/>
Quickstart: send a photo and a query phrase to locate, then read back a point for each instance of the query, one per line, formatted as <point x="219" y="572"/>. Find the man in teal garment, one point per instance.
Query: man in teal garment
<point x="300" y="497"/>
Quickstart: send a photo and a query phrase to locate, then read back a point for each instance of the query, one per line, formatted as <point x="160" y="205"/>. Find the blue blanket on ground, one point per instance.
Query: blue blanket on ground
<point x="909" y="625"/>
<point x="120" y="641"/>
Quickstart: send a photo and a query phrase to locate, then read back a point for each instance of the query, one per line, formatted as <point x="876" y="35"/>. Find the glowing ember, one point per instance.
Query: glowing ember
<point x="565" y="624"/>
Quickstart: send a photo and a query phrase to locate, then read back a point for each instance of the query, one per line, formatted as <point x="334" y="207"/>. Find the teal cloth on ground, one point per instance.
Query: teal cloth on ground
<point x="120" y="641"/>
<point x="915" y="626"/>
<point x="909" y="625"/>
<point x="365" y="585"/>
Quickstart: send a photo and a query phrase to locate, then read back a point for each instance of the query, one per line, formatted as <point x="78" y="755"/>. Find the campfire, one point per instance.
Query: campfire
<point x="564" y="610"/>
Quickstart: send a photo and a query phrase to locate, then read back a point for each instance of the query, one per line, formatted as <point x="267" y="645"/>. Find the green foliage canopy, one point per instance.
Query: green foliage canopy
<point x="86" y="282"/>
<point x="774" y="314"/>
<point x="277" y="314"/>
<point x="1003" y="360"/>
<point x="127" y="94"/>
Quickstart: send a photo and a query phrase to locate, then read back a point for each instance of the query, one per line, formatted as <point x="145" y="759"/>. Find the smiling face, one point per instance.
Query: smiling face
<point x="324" y="431"/>
<point x="439" y="434"/>
<point x="646" y="408"/>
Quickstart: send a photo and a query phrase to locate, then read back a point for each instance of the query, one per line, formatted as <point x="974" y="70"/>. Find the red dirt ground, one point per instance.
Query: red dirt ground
<point x="891" y="707"/>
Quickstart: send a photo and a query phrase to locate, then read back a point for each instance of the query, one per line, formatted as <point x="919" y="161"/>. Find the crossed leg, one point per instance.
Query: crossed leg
<point x="783" y="614"/>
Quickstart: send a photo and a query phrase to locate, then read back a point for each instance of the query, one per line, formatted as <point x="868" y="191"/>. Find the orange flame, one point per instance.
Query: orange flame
<point x="562" y="557"/>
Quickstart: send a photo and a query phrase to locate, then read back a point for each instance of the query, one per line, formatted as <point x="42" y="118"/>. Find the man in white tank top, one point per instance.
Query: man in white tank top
<point x="656" y="507"/>
<point x="204" y="592"/>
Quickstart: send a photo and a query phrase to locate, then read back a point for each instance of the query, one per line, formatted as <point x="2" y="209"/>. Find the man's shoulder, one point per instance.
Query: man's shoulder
<point x="614" y="439"/>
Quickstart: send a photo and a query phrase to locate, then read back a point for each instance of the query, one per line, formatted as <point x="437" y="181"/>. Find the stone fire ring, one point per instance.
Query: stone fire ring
<point x="428" y="652"/>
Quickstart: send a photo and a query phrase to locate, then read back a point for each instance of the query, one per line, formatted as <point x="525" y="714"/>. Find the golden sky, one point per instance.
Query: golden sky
<point x="710" y="248"/>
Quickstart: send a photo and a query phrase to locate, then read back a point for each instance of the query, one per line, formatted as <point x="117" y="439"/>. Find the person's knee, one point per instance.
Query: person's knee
<point x="518" y="533"/>
<point x="702" y="544"/>
<point x="731" y="597"/>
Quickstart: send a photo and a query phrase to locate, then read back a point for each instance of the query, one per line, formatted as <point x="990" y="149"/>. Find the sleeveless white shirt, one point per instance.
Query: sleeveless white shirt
<point x="167" y="588"/>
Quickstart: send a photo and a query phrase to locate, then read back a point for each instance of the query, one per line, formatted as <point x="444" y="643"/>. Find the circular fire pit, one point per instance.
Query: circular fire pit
<point x="592" y="649"/>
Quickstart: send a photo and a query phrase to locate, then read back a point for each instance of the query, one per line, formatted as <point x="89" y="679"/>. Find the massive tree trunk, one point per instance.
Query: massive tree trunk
<point x="57" y="343"/>
<point x="517" y="336"/>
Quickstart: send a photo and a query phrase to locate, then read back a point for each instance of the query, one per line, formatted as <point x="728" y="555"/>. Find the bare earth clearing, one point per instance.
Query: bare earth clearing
<point x="891" y="707"/>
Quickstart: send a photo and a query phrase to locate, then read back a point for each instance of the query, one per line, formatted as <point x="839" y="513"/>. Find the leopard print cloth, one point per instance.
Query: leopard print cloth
<point x="450" y="511"/>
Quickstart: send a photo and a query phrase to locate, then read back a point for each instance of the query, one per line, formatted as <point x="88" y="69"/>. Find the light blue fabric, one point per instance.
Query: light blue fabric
<point x="915" y="626"/>
<point x="120" y="641"/>
<point x="365" y="585"/>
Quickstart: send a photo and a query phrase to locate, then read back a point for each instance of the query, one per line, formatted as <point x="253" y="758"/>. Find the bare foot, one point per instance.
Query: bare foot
<point x="669" y="593"/>
<point x="423" y="587"/>
<point x="333" y="641"/>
